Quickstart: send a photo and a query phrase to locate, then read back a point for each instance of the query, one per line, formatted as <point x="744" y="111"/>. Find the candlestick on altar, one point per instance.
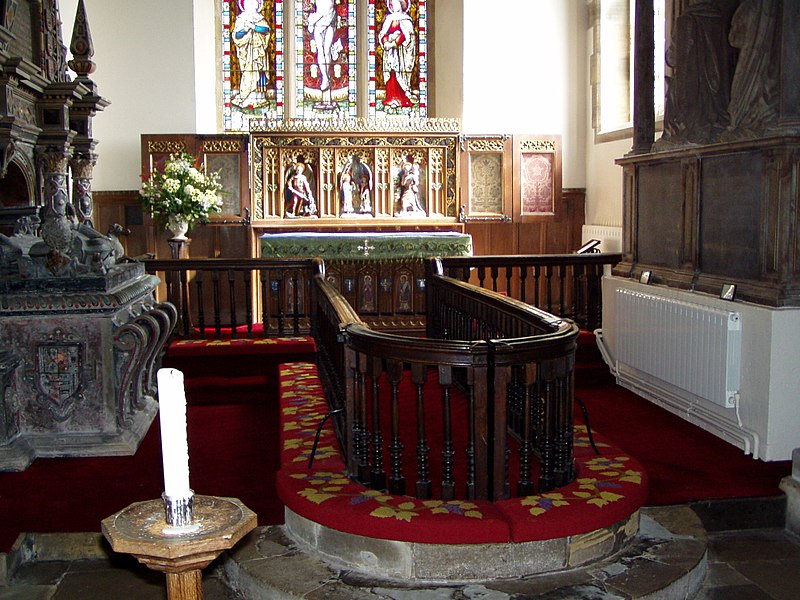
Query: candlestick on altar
<point x="178" y="496"/>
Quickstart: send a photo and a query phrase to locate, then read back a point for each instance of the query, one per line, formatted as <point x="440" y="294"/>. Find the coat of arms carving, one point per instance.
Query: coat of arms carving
<point x="59" y="372"/>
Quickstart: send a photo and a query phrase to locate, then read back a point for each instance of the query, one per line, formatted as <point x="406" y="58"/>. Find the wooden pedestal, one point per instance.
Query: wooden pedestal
<point x="139" y="530"/>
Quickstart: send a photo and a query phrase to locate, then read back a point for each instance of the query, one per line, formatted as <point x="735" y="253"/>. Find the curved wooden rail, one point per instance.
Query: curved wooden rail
<point x="511" y="375"/>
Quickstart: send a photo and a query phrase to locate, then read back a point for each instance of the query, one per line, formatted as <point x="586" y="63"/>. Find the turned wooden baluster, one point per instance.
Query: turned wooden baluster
<point x="265" y="301"/>
<point x="562" y="277"/>
<point x="509" y="277"/>
<point x="564" y="431"/>
<point x="397" y="483"/>
<point x="448" y="451"/>
<point x="537" y="284"/>
<point x="525" y="486"/>
<point x="419" y="374"/>
<point x="201" y="310"/>
<point x="247" y="280"/>
<point x="498" y="451"/>
<point x="183" y="294"/>
<point x="279" y="301"/>
<point x="360" y="433"/>
<point x="523" y="280"/>
<point x="471" y="488"/>
<point x="232" y="301"/>
<point x="216" y="302"/>
<point x="378" y="475"/>
<point x="549" y="426"/>
<point x="549" y="288"/>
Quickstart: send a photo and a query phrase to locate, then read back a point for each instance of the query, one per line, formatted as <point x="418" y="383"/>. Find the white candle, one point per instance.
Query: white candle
<point x="174" y="445"/>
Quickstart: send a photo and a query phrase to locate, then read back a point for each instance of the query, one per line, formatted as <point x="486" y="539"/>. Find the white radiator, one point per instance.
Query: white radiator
<point x="693" y="347"/>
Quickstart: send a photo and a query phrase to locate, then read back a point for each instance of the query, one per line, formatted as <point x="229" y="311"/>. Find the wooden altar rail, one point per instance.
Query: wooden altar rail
<point x="508" y="364"/>
<point x="474" y="390"/>
<point x="567" y="285"/>
<point x="241" y="297"/>
<point x="214" y="295"/>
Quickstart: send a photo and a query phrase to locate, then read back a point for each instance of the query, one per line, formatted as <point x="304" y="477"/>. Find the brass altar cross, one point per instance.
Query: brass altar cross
<point x="366" y="247"/>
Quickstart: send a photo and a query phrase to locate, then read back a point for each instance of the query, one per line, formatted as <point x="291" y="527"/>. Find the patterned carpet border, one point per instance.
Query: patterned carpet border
<point x="608" y="489"/>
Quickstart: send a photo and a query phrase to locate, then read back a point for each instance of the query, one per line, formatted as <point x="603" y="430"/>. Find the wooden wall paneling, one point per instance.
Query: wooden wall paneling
<point x="124" y="208"/>
<point x="481" y="237"/>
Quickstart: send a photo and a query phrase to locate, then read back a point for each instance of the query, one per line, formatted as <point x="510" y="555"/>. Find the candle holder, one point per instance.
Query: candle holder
<point x="137" y="530"/>
<point x="179" y="514"/>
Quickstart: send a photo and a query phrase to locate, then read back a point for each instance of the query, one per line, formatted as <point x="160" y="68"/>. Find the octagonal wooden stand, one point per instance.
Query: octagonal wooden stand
<point x="139" y="530"/>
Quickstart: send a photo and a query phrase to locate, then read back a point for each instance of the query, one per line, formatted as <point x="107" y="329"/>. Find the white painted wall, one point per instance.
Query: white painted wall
<point x="144" y="51"/>
<point x="448" y="59"/>
<point x="523" y="73"/>
<point x="604" y="181"/>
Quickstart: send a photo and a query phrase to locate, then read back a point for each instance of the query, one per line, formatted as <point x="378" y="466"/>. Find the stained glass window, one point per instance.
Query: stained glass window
<point x="252" y="62"/>
<point x="325" y="47"/>
<point x="398" y="58"/>
<point x="301" y="59"/>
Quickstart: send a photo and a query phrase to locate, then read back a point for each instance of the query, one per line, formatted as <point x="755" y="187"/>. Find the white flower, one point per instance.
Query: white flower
<point x="182" y="191"/>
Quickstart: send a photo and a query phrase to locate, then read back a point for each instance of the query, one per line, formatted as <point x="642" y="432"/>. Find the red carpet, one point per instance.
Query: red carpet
<point x="683" y="462"/>
<point x="232" y="452"/>
<point x="233" y="446"/>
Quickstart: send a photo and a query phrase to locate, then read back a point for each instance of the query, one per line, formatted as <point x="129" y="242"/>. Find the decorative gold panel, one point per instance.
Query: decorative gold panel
<point x="426" y="160"/>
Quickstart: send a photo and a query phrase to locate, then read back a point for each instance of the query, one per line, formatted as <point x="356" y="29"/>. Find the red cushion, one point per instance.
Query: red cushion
<point x="332" y="500"/>
<point x="608" y="489"/>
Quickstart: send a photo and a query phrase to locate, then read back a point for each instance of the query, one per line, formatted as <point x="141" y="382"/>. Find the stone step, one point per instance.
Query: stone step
<point x="667" y="559"/>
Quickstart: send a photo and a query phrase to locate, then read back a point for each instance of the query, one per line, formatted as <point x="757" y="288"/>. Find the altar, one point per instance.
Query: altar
<point x="382" y="275"/>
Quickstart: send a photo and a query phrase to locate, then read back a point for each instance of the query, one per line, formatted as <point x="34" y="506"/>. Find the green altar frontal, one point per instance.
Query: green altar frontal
<point x="365" y="246"/>
<point x="382" y="275"/>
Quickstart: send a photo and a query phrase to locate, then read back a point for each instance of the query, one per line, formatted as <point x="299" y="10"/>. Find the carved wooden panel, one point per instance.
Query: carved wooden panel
<point x="702" y="217"/>
<point x="486" y="177"/>
<point x="537" y="176"/>
<point x="729" y="244"/>
<point x="660" y="209"/>
<point x="356" y="172"/>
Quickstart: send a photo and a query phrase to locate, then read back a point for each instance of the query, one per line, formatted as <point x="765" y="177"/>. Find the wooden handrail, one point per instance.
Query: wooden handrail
<point x="518" y="381"/>
<point x="567" y="285"/>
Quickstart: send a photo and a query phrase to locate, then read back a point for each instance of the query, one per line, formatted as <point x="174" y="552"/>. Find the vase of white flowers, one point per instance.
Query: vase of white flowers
<point x="180" y="195"/>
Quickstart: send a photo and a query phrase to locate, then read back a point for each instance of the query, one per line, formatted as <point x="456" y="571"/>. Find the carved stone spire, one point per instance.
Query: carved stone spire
<point x="81" y="45"/>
